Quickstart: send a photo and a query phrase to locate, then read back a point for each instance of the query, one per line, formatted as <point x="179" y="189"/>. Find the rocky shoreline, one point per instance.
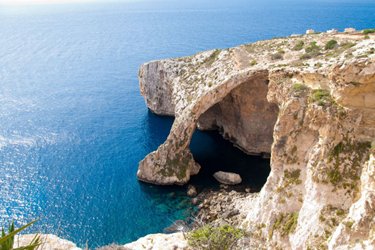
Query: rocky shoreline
<point x="309" y="102"/>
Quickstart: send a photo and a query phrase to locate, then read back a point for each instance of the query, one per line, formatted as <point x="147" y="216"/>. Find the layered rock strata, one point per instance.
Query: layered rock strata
<point x="310" y="102"/>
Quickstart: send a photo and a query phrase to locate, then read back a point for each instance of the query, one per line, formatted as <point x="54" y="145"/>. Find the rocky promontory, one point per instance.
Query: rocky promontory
<point x="309" y="102"/>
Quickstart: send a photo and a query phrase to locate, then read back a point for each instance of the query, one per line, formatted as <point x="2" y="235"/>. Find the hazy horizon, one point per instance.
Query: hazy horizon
<point x="218" y="2"/>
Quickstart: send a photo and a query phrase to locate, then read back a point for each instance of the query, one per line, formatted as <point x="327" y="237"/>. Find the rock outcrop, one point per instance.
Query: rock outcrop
<point x="307" y="100"/>
<point x="49" y="242"/>
<point x="174" y="241"/>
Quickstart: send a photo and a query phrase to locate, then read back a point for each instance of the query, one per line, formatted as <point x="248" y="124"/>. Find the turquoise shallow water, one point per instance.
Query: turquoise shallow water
<point x="73" y="125"/>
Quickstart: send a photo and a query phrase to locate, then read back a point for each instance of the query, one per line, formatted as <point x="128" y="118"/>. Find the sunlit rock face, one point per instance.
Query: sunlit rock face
<point x="311" y="106"/>
<point x="244" y="116"/>
<point x="49" y="242"/>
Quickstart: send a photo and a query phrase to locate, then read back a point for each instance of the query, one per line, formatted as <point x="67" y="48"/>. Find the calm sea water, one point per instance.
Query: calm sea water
<point x="73" y="125"/>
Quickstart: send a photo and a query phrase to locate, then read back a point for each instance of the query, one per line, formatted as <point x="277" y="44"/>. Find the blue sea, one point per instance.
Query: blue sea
<point x="73" y="125"/>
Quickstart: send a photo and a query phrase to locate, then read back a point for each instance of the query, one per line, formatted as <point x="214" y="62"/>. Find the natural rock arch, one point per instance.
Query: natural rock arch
<point x="245" y="93"/>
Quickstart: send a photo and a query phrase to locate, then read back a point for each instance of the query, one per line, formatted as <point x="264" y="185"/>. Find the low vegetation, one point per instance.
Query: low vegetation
<point x="311" y="51"/>
<point x="7" y="239"/>
<point x="343" y="167"/>
<point x="345" y="151"/>
<point x="347" y="45"/>
<point x="253" y="63"/>
<point x="214" y="238"/>
<point x="291" y="177"/>
<point x="329" y="217"/>
<point x="322" y="97"/>
<point x="212" y="58"/>
<point x="299" y="46"/>
<point x="312" y="47"/>
<point x="368" y="31"/>
<point x="285" y="224"/>
<point x="299" y="88"/>
<point x="331" y="44"/>
<point x="277" y="56"/>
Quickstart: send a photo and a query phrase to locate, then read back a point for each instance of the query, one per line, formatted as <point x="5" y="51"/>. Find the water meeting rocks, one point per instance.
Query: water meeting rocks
<point x="309" y="101"/>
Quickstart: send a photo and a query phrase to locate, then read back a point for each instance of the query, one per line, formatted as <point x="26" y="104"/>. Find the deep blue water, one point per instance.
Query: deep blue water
<point x="73" y="125"/>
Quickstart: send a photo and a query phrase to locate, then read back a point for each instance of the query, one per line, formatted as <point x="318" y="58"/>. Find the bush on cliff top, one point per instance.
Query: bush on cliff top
<point x="311" y="51"/>
<point x="331" y="44"/>
<point x="368" y="31"/>
<point x="298" y="46"/>
<point x="214" y="238"/>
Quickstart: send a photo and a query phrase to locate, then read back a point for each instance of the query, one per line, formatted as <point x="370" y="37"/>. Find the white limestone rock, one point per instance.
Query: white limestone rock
<point x="49" y="242"/>
<point x="174" y="241"/>
<point x="228" y="178"/>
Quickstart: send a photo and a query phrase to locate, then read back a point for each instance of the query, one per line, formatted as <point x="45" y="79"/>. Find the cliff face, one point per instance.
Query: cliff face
<point x="312" y="106"/>
<point x="243" y="119"/>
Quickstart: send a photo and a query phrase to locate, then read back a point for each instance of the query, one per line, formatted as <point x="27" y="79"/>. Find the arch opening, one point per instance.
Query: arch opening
<point x="236" y="135"/>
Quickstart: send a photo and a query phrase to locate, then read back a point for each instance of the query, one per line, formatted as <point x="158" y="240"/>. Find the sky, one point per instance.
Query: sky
<point x="22" y="2"/>
<point x="32" y="2"/>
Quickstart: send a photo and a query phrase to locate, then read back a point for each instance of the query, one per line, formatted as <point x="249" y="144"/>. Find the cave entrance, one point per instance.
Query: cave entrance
<point x="214" y="153"/>
<point x="237" y="134"/>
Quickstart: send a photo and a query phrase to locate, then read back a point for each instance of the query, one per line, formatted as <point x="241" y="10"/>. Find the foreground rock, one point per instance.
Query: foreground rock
<point x="228" y="178"/>
<point x="49" y="242"/>
<point x="310" y="102"/>
<point x="174" y="241"/>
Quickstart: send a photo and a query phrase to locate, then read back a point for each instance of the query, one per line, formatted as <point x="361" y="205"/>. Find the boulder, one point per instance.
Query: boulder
<point x="228" y="178"/>
<point x="192" y="191"/>
<point x="194" y="201"/>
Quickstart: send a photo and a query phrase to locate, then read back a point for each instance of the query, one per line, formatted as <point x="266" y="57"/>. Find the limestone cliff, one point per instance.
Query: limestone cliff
<point x="309" y="101"/>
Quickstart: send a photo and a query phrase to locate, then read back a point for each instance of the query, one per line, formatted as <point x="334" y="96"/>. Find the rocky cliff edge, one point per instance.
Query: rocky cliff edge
<point x="309" y="102"/>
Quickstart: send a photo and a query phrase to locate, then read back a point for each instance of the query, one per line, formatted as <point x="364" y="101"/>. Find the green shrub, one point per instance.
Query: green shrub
<point x="214" y="238"/>
<point x="321" y="97"/>
<point x="299" y="87"/>
<point x="312" y="50"/>
<point x="312" y="47"/>
<point x="277" y="56"/>
<point x="331" y="44"/>
<point x="347" y="45"/>
<point x="253" y="63"/>
<point x="7" y="239"/>
<point x="367" y="37"/>
<point x="281" y="51"/>
<point x="368" y="31"/>
<point x="299" y="45"/>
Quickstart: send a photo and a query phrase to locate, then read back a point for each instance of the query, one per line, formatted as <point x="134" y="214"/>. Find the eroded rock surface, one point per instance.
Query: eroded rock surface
<point x="313" y="109"/>
<point x="174" y="241"/>
<point x="49" y="242"/>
